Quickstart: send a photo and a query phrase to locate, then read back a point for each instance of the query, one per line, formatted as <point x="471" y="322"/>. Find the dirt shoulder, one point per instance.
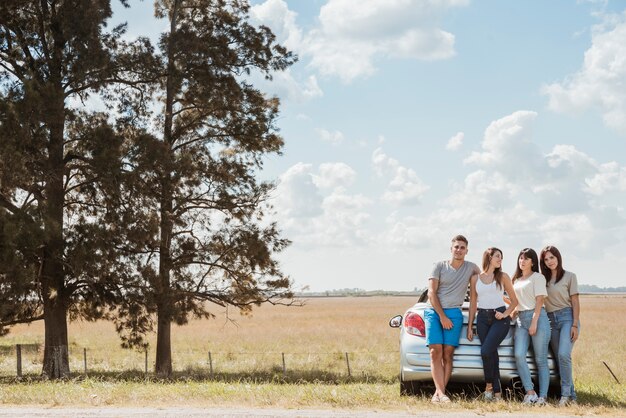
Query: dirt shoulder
<point x="109" y="412"/>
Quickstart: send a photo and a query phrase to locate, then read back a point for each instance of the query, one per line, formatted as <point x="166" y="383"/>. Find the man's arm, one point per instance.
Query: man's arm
<point x="433" y="285"/>
<point x="476" y="269"/>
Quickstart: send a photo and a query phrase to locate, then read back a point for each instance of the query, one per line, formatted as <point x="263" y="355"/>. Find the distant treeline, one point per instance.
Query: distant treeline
<point x="583" y="288"/>
<point x="589" y="288"/>
<point x="359" y="292"/>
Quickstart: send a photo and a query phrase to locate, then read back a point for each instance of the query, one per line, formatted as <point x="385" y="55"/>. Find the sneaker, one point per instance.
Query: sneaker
<point x="530" y="399"/>
<point x="566" y="400"/>
<point x="487" y="396"/>
<point x="497" y="399"/>
<point x="435" y="399"/>
<point x="541" y="401"/>
<point x="444" y="399"/>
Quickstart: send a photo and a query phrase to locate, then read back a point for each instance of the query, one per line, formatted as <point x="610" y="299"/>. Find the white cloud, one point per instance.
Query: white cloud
<point x="334" y="175"/>
<point x="405" y="186"/>
<point x="383" y="163"/>
<point x="508" y="147"/>
<point x="276" y="15"/>
<point x="334" y="137"/>
<point x="563" y="196"/>
<point x="296" y="194"/>
<point x="456" y="142"/>
<point x="410" y="231"/>
<point x="609" y="177"/>
<point x="551" y="181"/>
<point x="352" y="34"/>
<point x="285" y="86"/>
<point x="315" y="209"/>
<point x="600" y="81"/>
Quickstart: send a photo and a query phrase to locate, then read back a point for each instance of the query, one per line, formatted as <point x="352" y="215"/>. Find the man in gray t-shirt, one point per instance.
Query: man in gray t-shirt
<point x="447" y="287"/>
<point x="453" y="283"/>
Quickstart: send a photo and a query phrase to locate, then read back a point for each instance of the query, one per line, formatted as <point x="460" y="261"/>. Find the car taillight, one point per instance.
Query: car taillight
<point x="414" y="325"/>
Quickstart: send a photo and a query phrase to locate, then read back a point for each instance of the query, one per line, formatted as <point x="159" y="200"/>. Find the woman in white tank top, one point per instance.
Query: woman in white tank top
<point x="493" y="322"/>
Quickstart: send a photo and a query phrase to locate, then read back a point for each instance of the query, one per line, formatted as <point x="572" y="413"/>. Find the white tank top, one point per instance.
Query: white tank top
<point x="489" y="296"/>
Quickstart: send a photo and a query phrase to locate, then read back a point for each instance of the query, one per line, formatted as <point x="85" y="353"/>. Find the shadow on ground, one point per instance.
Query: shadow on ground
<point x="275" y="376"/>
<point x="514" y="393"/>
<point x="467" y="392"/>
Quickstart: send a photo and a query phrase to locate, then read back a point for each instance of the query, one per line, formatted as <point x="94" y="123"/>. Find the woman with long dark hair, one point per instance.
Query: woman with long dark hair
<point x="563" y="307"/>
<point x="493" y="321"/>
<point x="532" y="325"/>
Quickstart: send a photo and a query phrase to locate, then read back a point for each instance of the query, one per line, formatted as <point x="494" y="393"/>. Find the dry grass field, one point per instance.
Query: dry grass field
<point x="247" y="353"/>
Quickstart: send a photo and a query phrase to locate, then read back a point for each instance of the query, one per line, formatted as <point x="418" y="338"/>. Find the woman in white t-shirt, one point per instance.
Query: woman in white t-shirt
<point x="563" y="307"/>
<point x="493" y="322"/>
<point x="532" y="325"/>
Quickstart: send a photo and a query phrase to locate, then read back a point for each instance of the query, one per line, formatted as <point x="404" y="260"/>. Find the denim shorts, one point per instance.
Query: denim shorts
<point x="435" y="334"/>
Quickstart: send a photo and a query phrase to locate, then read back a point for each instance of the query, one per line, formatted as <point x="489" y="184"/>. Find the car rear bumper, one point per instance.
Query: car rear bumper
<point x="467" y="367"/>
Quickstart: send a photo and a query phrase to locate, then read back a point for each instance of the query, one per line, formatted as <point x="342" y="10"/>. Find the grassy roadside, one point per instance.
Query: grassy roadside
<point x="93" y="392"/>
<point x="248" y="367"/>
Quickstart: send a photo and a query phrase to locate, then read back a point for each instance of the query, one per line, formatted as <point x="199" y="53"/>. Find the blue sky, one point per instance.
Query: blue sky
<point x="409" y="121"/>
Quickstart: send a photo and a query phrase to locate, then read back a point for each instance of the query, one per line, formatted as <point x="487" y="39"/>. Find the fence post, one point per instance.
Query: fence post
<point x="18" y="353"/>
<point x="85" y="359"/>
<point x="211" y="364"/>
<point x="284" y="366"/>
<point x="348" y="363"/>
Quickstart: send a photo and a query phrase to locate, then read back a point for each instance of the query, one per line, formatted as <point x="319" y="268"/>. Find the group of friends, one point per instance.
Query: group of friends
<point x="541" y="297"/>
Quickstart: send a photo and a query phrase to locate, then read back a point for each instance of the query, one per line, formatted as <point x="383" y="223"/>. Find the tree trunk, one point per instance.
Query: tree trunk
<point x="163" y="365"/>
<point x="56" y="359"/>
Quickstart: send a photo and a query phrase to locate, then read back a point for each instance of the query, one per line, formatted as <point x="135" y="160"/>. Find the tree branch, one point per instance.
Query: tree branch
<point x="22" y="321"/>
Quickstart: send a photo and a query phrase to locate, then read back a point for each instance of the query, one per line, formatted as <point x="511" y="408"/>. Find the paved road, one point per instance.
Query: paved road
<point x="23" y="412"/>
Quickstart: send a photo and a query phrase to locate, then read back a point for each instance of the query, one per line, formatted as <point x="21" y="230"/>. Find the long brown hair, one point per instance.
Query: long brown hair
<point x="527" y="253"/>
<point x="497" y="273"/>
<point x="560" y="271"/>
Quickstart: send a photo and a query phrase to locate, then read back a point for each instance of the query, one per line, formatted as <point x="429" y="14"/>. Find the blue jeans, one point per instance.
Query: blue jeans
<point x="561" y="323"/>
<point x="491" y="332"/>
<point x="540" y="341"/>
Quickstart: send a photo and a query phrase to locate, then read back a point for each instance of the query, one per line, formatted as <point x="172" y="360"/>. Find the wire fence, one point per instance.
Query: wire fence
<point x="26" y="359"/>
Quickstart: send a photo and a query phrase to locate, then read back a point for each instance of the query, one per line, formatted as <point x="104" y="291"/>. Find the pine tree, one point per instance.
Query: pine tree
<point x="195" y="211"/>
<point x="59" y="166"/>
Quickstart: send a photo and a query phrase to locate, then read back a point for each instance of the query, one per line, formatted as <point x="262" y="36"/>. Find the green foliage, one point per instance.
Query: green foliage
<point x="141" y="211"/>
<point x="60" y="166"/>
<point x="190" y="184"/>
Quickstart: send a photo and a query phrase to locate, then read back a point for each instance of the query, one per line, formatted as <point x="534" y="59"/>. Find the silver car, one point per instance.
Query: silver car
<point x="467" y="365"/>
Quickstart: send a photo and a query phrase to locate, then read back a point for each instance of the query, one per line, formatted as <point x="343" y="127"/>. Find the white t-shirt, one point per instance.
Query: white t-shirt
<point x="528" y="289"/>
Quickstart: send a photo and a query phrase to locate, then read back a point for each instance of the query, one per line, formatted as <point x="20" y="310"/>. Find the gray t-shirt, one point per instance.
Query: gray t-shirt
<point x="452" y="282"/>
<point x="560" y="294"/>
